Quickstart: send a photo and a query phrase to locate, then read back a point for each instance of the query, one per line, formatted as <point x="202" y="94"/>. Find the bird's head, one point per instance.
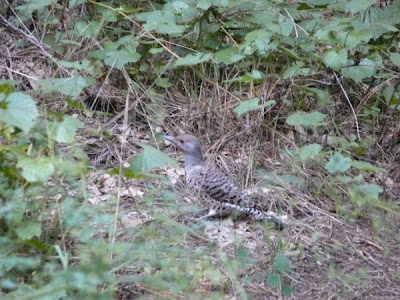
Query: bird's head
<point x="188" y="144"/>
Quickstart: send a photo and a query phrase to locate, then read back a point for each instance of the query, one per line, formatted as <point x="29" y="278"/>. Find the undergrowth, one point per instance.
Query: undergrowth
<point x="311" y="84"/>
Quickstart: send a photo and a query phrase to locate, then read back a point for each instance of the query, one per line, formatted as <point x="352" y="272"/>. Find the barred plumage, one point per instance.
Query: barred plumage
<point x="214" y="187"/>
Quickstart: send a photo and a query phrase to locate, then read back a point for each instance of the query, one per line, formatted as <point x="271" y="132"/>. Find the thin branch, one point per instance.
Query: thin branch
<point x="351" y="106"/>
<point x="294" y="24"/>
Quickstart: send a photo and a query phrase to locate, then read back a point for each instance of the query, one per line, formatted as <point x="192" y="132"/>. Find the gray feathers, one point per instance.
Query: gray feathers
<point x="214" y="187"/>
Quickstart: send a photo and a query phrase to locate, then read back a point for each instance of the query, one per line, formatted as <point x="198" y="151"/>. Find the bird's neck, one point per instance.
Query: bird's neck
<point x="193" y="160"/>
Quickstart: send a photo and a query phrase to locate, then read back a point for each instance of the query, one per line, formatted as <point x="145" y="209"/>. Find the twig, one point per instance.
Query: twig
<point x="294" y="24"/>
<point x="351" y="106"/>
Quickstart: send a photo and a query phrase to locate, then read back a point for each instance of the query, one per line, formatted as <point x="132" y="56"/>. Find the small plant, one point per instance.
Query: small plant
<point x="276" y="277"/>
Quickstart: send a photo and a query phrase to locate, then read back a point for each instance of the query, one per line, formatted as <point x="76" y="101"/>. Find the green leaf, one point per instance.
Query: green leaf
<point x="163" y="82"/>
<point x="252" y="104"/>
<point x="338" y="163"/>
<point x="156" y="50"/>
<point x="87" y="30"/>
<point x="296" y="69"/>
<point x="119" y="58"/>
<point x="28" y="230"/>
<point x="33" y="170"/>
<point x="258" y="41"/>
<point x="193" y="59"/>
<point x="395" y="58"/>
<point x="286" y="290"/>
<point x="150" y="158"/>
<point x="366" y="166"/>
<point x="228" y="56"/>
<point x="273" y="279"/>
<point x="323" y="96"/>
<point x="204" y="4"/>
<point x="255" y="76"/>
<point x="366" y="68"/>
<point x="33" y="5"/>
<point x="69" y="86"/>
<point x="306" y="119"/>
<point x="309" y="151"/>
<point x="282" y="264"/>
<point x="164" y="22"/>
<point x="19" y="110"/>
<point x="335" y="59"/>
<point x="84" y="65"/>
<point x="354" y="6"/>
<point x="365" y="193"/>
<point x="64" y="132"/>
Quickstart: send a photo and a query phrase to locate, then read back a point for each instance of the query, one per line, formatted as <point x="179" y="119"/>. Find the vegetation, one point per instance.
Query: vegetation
<point x="298" y="100"/>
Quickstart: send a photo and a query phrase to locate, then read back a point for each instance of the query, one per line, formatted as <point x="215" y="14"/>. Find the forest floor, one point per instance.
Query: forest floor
<point x="331" y="257"/>
<point x="332" y="254"/>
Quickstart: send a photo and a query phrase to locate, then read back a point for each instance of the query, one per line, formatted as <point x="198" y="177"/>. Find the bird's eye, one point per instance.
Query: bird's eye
<point x="181" y="141"/>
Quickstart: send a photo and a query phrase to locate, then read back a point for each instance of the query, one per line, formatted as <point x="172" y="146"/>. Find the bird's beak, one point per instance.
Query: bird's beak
<point x="173" y="141"/>
<point x="170" y="139"/>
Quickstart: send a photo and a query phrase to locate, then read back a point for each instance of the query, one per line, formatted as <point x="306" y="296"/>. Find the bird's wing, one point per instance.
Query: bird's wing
<point x="220" y="187"/>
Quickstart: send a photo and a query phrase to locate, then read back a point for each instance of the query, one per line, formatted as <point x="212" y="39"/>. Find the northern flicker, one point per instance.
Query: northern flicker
<point x="214" y="187"/>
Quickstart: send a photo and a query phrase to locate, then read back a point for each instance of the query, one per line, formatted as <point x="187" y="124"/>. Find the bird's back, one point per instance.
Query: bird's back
<point x="211" y="181"/>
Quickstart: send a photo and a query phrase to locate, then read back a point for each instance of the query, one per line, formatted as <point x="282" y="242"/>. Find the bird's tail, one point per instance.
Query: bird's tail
<point x="258" y="214"/>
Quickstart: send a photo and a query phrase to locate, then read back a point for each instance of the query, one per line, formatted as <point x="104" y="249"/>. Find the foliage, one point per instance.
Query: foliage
<point x="54" y="245"/>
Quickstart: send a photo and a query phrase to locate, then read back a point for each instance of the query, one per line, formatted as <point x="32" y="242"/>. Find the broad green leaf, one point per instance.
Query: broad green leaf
<point x="273" y="279"/>
<point x="349" y="179"/>
<point x="252" y="104"/>
<point x="164" y="22"/>
<point x="388" y="93"/>
<point x="69" y="86"/>
<point x="282" y="264"/>
<point x="204" y="4"/>
<point x="286" y="290"/>
<point x="28" y="230"/>
<point x="156" y="50"/>
<point x="366" y="166"/>
<point x="13" y="211"/>
<point x="366" y="68"/>
<point x="117" y="58"/>
<point x="258" y="41"/>
<point x="365" y="193"/>
<point x="163" y="82"/>
<point x="309" y="151"/>
<point x="150" y="158"/>
<point x="71" y="168"/>
<point x="355" y="6"/>
<point x="19" y="110"/>
<point x="87" y="30"/>
<point x="33" y="170"/>
<point x="306" y="119"/>
<point x="228" y="56"/>
<point x="336" y="59"/>
<point x="317" y="2"/>
<point x="295" y="69"/>
<point x="85" y="64"/>
<point x="338" y="164"/>
<point x="255" y="76"/>
<point x="33" y="5"/>
<point x="64" y="132"/>
<point x="193" y="59"/>
<point x="395" y="58"/>
<point x="323" y="96"/>
<point x="220" y="3"/>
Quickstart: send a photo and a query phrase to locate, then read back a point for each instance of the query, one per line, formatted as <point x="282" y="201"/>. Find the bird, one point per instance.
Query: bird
<point x="214" y="187"/>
